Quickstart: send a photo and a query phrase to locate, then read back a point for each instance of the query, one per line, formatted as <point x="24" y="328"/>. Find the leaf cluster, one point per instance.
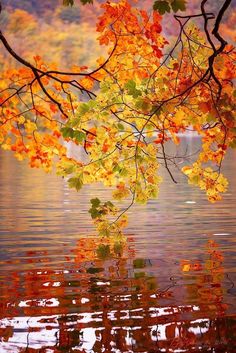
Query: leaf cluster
<point x="68" y="132"/>
<point x="98" y="209"/>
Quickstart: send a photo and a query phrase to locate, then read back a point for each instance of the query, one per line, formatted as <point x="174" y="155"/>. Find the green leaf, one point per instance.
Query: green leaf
<point x="137" y="93"/>
<point x="92" y="103"/>
<point x="94" y="213"/>
<point x="116" y="168"/>
<point x="209" y="118"/>
<point x="120" y="126"/>
<point x="75" y="121"/>
<point x="84" y="108"/>
<point x="69" y="170"/>
<point x="130" y="85"/>
<point x="131" y="88"/>
<point x="109" y="204"/>
<point x="67" y="132"/>
<point x="75" y="183"/>
<point x="142" y="104"/>
<point x="94" y="210"/>
<point x="79" y="136"/>
<point x="95" y="202"/>
<point x="161" y="6"/>
<point x="104" y="86"/>
<point x="178" y="5"/>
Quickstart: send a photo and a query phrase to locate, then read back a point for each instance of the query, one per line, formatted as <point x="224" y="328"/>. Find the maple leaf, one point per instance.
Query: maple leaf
<point x="178" y="5"/>
<point x="75" y="182"/>
<point x="161" y="6"/>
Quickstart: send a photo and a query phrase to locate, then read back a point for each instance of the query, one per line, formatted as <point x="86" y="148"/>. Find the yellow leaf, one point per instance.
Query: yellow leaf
<point x="187" y="170"/>
<point x="30" y="126"/>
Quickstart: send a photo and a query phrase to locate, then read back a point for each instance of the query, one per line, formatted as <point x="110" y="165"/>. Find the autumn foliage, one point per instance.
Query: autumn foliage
<point x="143" y="94"/>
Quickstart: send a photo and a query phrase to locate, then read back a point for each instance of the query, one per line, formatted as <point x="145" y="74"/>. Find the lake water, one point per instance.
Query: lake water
<point x="169" y="288"/>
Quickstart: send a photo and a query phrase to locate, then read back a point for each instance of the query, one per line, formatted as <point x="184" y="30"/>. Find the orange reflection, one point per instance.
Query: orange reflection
<point x="104" y="300"/>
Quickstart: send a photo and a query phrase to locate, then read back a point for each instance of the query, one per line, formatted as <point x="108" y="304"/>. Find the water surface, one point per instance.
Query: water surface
<point x="169" y="288"/>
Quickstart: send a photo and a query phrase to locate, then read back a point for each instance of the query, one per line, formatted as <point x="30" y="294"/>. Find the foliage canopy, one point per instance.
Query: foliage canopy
<point x="143" y="94"/>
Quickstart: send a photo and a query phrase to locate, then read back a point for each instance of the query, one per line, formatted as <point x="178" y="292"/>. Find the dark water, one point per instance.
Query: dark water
<point x="169" y="288"/>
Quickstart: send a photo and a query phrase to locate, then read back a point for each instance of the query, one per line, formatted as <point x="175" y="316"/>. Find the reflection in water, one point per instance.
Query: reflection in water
<point x="168" y="288"/>
<point x="106" y="300"/>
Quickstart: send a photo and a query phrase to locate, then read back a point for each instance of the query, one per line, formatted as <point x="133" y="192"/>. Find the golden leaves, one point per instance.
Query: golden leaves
<point x="121" y="192"/>
<point x="212" y="182"/>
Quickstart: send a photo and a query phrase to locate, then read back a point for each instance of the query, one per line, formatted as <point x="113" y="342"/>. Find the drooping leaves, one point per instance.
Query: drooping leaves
<point x="76" y="183"/>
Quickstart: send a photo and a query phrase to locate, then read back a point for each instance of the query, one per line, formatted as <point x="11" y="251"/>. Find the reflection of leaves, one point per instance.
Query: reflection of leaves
<point x="103" y="251"/>
<point x="139" y="275"/>
<point x="118" y="249"/>
<point x="93" y="270"/>
<point x="186" y="267"/>
<point x="151" y="284"/>
<point x="74" y="284"/>
<point x="139" y="263"/>
<point x="6" y="333"/>
<point x="94" y="289"/>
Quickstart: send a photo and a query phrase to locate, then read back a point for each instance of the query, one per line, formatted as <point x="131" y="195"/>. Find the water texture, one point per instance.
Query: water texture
<point x="169" y="288"/>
